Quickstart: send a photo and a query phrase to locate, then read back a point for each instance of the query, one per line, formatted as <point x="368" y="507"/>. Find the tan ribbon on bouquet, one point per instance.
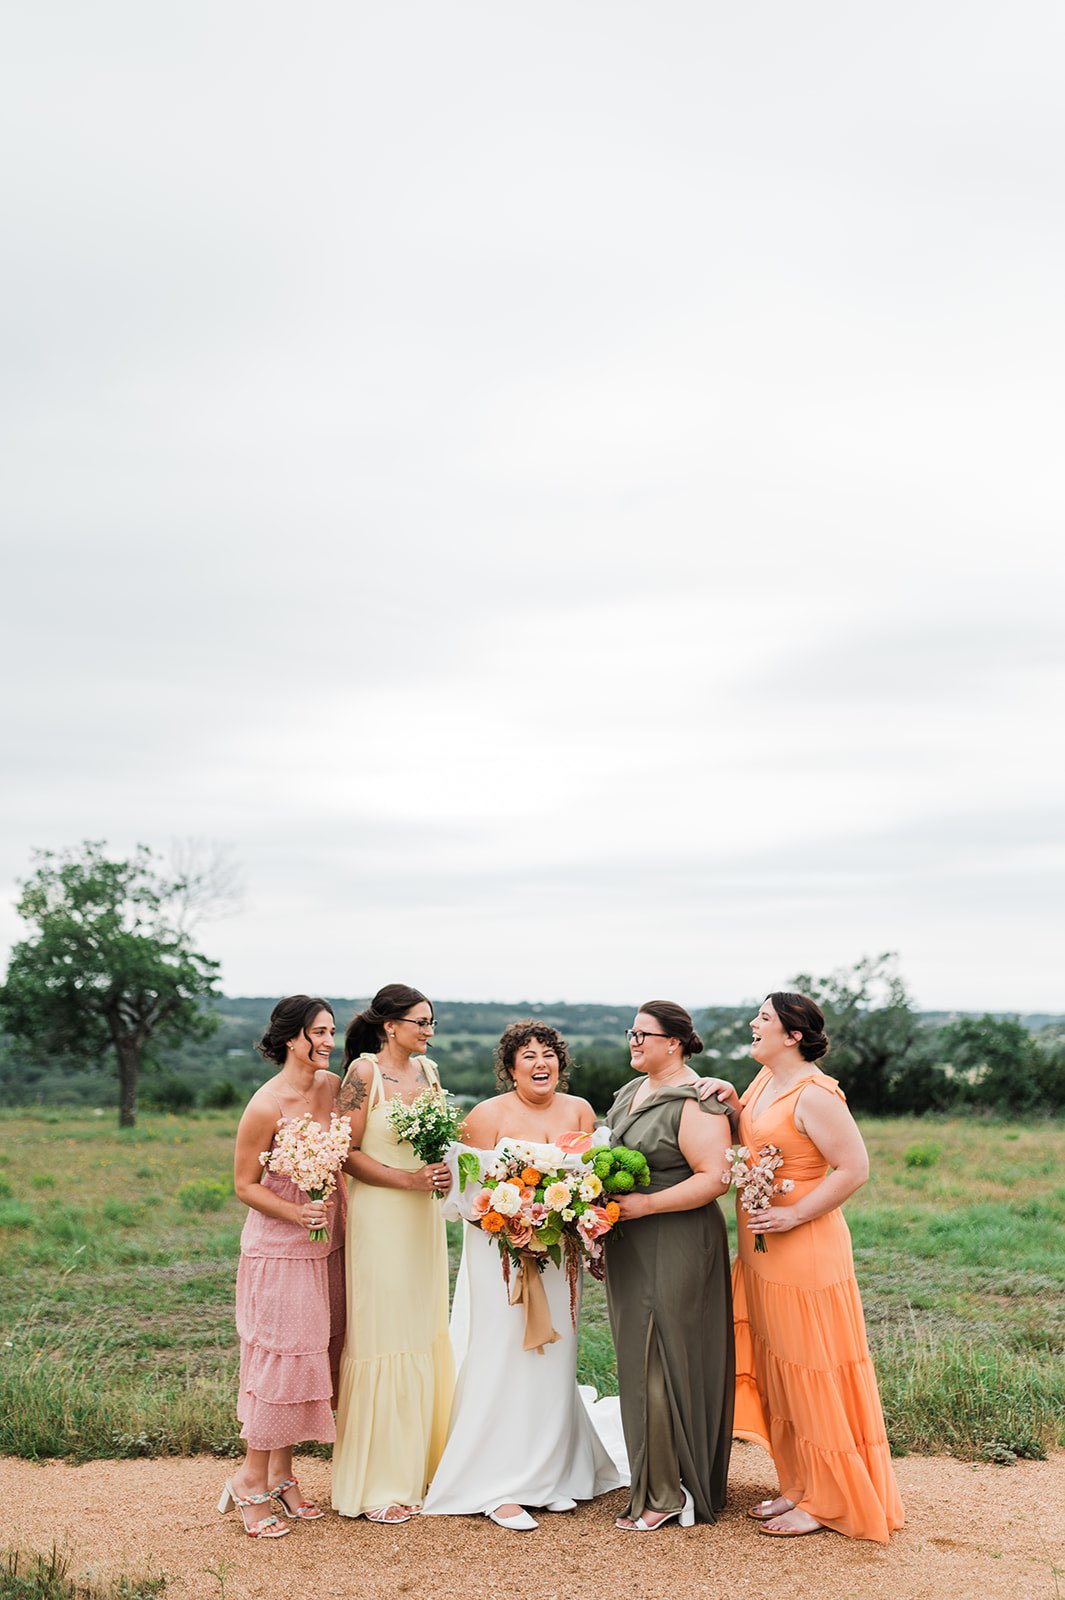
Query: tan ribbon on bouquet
<point x="527" y="1290"/>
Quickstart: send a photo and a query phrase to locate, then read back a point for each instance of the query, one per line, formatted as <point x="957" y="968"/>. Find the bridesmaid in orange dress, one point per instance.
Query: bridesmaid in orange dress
<point x="805" y="1386"/>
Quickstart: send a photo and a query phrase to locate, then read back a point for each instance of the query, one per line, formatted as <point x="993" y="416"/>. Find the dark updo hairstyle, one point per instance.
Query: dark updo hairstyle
<point x="799" y="1014"/>
<point x="515" y="1037"/>
<point x="289" y="1018"/>
<point x="366" y="1030"/>
<point x="676" y="1024"/>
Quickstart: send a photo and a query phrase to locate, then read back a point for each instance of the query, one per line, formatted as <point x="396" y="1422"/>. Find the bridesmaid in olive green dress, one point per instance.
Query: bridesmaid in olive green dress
<point x="668" y="1283"/>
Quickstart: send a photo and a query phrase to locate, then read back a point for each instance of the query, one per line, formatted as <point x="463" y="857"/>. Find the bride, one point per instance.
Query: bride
<point x="520" y="1434"/>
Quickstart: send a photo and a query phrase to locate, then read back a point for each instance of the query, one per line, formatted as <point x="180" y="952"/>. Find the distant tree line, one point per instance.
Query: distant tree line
<point x="108" y="985"/>
<point x="891" y="1059"/>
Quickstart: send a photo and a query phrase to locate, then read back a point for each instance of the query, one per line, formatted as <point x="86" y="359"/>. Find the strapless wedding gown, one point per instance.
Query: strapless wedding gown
<point x="520" y="1431"/>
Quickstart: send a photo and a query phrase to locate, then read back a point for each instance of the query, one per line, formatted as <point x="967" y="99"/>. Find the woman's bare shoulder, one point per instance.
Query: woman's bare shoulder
<point x="579" y="1109"/>
<point x="262" y="1112"/>
<point x="481" y="1121"/>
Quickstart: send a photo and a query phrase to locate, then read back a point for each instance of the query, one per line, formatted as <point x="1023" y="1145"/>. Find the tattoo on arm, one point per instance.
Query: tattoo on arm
<point x="352" y="1093"/>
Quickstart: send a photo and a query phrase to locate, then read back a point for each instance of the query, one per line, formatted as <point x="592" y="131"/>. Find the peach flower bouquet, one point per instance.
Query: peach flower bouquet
<point x="310" y="1157"/>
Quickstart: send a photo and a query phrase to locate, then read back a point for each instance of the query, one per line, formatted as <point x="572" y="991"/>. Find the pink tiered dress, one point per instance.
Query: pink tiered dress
<point x="290" y="1318"/>
<point x="805" y="1386"/>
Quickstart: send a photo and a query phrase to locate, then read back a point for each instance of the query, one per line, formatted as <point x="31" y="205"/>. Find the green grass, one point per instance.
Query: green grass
<point x="118" y="1256"/>
<point x="37" y="1577"/>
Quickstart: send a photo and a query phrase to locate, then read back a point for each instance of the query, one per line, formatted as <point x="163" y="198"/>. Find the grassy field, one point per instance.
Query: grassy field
<point x="118" y="1254"/>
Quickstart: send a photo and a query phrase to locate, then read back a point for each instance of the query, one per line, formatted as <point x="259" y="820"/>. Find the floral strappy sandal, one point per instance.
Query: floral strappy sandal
<point x="267" y="1528"/>
<point x="306" y="1511"/>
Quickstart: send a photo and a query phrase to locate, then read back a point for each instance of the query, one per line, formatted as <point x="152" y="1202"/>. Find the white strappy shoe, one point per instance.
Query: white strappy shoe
<point x="685" y="1515"/>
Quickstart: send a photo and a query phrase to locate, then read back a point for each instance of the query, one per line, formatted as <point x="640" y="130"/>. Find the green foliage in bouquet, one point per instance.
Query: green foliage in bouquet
<point x="618" y="1168"/>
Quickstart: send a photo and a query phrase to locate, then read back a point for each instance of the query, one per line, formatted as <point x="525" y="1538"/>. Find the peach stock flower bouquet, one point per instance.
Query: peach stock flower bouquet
<point x="310" y="1157"/>
<point x="756" y="1182"/>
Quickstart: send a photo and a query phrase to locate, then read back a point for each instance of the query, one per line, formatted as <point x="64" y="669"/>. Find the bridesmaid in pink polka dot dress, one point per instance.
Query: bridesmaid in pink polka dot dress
<point x="290" y="1289"/>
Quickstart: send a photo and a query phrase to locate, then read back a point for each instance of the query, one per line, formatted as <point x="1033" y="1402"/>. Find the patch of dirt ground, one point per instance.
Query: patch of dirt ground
<point x="971" y="1529"/>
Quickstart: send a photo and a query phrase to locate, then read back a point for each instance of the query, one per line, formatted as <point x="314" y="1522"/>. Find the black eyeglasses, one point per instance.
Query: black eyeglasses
<point x="637" y="1037"/>
<point x="427" y="1025"/>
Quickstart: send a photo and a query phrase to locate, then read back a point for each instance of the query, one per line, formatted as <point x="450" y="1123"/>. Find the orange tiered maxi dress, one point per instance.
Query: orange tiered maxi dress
<point x="805" y="1386"/>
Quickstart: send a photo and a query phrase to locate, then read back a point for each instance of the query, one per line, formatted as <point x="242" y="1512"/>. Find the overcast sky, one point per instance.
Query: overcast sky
<point x="570" y="495"/>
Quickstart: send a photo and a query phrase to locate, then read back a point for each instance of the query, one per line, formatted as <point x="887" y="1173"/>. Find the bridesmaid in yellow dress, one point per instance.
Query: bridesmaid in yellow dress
<point x="805" y="1386"/>
<point x="396" y="1376"/>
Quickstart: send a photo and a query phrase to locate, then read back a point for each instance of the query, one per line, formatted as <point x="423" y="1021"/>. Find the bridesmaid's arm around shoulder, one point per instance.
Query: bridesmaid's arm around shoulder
<point x="704" y="1140"/>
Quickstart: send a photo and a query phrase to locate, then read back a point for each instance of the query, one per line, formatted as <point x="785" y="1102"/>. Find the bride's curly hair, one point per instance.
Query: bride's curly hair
<point x="519" y="1034"/>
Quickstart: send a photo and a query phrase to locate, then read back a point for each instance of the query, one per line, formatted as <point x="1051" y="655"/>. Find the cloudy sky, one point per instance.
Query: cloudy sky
<point x="569" y="496"/>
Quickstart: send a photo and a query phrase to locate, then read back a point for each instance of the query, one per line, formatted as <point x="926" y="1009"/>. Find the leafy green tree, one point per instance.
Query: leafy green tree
<point x="109" y="963"/>
<point x="598" y="1072"/>
<point x="997" y="1064"/>
<point x="879" y="1045"/>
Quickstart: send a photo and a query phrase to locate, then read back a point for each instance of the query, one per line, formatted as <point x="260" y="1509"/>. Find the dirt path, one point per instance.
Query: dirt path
<point x="971" y="1530"/>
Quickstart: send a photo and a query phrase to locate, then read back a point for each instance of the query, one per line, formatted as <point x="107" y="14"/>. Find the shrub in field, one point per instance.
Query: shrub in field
<point x="13" y="1214"/>
<point x="6" y="1191"/>
<point x="202" y="1194"/>
<point x="169" y="1093"/>
<point x="43" y="1180"/>
<point x="922" y="1155"/>
<point x="222" y="1096"/>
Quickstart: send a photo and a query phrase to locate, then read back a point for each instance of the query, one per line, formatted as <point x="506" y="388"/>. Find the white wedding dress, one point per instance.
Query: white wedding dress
<point x="521" y="1431"/>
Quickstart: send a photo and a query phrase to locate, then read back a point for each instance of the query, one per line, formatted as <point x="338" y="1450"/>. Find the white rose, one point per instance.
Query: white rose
<point x="506" y="1199"/>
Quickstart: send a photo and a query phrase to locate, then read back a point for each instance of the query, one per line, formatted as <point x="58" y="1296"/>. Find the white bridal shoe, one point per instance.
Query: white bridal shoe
<point x="522" y="1520"/>
<point x="561" y="1505"/>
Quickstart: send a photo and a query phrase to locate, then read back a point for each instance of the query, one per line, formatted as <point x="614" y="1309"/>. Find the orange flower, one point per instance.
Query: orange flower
<point x="530" y="1177"/>
<point x="613" y="1211"/>
<point x="491" y="1222"/>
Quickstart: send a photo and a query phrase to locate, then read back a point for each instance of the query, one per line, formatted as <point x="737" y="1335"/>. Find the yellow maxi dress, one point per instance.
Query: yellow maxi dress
<point x="396" y="1372"/>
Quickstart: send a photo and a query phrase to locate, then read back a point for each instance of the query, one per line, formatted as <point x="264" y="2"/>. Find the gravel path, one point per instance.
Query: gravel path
<point x="971" y="1530"/>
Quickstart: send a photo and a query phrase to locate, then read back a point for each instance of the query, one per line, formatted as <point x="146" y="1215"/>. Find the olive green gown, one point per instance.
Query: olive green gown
<point x="670" y="1297"/>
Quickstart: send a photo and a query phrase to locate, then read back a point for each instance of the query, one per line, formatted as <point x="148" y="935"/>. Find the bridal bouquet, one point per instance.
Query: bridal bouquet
<point x="310" y="1156"/>
<point x="756" y="1181"/>
<point x="539" y="1204"/>
<point x="429" y="1124"/>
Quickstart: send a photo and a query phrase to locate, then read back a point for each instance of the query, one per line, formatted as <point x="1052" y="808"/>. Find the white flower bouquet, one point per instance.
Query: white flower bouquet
<point x="430" y="1124"/>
